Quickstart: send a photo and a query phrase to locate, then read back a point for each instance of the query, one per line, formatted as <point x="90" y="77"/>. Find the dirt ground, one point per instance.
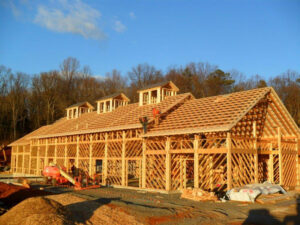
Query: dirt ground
<point x="107" y="205"/>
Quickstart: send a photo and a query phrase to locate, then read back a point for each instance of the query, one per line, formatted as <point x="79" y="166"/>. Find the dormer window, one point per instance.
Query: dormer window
<point x="110" y="103"/>
<point x="156" y="93"/>
<point x="76" y="110"/>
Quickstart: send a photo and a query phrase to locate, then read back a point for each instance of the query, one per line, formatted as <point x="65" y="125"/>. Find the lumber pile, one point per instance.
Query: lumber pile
<point x="198" y="194"/>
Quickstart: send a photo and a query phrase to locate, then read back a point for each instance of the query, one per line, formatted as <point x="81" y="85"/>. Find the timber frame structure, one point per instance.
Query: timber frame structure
<point x="213" y="143"/>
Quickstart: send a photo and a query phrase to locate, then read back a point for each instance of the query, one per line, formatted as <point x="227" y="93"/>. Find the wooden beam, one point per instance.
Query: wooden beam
<point x="196" y="161"/>
<point x="168" y="165"/>
<point x="144" y="164"/>
<point x="229" y="165"/>
<point x="280" y="155"/>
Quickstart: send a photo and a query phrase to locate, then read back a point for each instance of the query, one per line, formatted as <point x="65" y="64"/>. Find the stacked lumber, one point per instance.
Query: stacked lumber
<point x="198" y="194"/>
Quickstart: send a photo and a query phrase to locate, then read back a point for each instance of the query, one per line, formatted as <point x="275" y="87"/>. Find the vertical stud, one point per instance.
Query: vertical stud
<point x="229" y="165"/>
<point x="196" y="161"/>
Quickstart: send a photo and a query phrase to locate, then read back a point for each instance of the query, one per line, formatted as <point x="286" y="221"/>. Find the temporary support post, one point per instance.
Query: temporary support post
<point x="196" y="162"/>
<point x="105" y="161"/>
<point x="229" y="168"/>
<point x="255" y="153"/>
<point x="271" y="165"/>
<point x="90" y="155"/>
<point x="77" y="153"/>
<point x="123" y="159"/>
<point x="280" y="155"/>
<point x="55" y="151"/>
<point x="168" y="165"/>
<point x="144" y="164"/>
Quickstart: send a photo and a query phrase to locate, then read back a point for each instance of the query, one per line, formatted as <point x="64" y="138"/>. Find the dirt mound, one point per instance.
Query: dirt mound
<point x="36" y="211"/>
<point x="11" y="195"/>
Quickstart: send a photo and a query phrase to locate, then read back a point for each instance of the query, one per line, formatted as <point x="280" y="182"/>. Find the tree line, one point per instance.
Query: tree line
<point x="29" y="102"/>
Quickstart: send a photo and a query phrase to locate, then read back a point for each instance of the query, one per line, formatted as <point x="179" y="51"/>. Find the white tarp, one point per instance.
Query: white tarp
<point x="248" y="193"/>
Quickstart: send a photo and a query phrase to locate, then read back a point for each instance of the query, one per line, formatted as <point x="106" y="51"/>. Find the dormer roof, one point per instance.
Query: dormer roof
<point x="81" y="104"/>
<point x="169" y="84"/>
<point x="116" y="95"/>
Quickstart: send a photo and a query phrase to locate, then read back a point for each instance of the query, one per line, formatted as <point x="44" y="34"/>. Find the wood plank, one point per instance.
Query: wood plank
<point x="196" y="161"/>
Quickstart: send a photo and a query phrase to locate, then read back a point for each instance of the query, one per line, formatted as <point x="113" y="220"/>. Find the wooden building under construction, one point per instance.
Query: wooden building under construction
<point x="169" y="141"/>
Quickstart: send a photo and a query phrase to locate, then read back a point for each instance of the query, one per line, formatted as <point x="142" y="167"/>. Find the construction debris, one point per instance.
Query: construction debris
<point x="199" y="195"/>
<point x="250" y="192"/>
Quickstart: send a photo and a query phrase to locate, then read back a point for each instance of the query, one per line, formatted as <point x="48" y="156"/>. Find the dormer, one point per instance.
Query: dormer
<point x="74" y="111"/>
<point x="157" y="92"/>
<point x="111" y="102"/>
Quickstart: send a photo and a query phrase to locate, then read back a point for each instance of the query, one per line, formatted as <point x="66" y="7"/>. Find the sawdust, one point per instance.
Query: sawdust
<point x="37" y="211"/>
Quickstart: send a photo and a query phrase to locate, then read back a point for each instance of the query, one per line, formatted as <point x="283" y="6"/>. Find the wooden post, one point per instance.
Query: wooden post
<point x="255" y="154"/>
<point x="77" y="153"/>
<point x="168" y="165"/>
<point x="144" y="164"/>
<point x="149" y="97"/>
<point x="158" y="100"/>
<point x="55" y="151"/>
<point x="66" y="154"/>
<point x="211" y="173"/>
<point x="23" y="160"/>
<point x="123" y="159"/>
<point x="184" y="174"/>
<point x="38" y="159"/>
<point x="140" y="174"/>
<point x="229" y="166"/>
<point x="271" y="165"/>
<point x="181" y="173"/>
<point x="280" y="155"/>
<point x="46" y="153"/>
<point x="196" y="162"/>
<point x="105" y="161"/>
<point x="91" y="155"/>
<point x="297" y="164"/>
<point x="30" y="147"/>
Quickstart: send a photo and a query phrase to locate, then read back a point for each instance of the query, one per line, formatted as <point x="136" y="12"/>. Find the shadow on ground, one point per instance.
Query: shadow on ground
<point x="263" y="216"/>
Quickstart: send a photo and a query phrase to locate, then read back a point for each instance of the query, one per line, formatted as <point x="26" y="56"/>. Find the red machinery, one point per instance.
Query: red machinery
<point x="60" y="176"/>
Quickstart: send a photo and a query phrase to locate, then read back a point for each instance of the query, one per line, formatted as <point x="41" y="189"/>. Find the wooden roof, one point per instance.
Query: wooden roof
<point x="213" y="114"/>
<point x="126" y="117"/>
<point x="181" y="114"/>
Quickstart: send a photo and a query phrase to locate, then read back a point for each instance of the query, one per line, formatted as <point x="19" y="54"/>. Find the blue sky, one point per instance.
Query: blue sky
<point x="254" y="37"/>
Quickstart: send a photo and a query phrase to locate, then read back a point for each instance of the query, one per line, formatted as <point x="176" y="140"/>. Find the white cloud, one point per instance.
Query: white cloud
<point x="132" y="15"/>
<point x="119" y="26"/>
<point x="76" y="17"/>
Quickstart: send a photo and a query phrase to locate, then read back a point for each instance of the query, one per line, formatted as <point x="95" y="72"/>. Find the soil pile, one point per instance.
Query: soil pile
<point x="11" y="195"/>
<point x="36" y="211"/>
<point x="95" y="211"/>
